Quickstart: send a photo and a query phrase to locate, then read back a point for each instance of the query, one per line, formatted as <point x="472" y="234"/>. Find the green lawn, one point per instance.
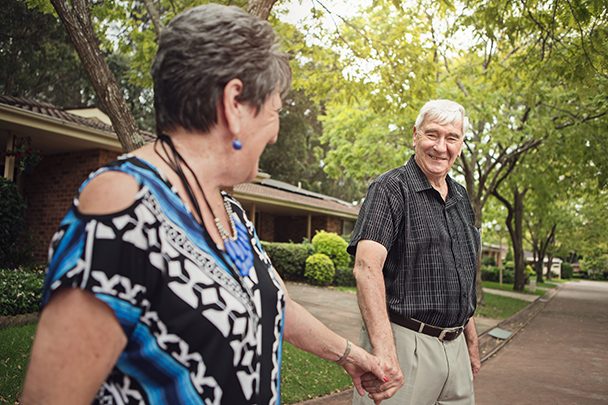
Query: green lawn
<point x="499" y="307"/>
<point x="15" y="346"/>
<point x="304" y="376"/>
<point x="509" y="287"/>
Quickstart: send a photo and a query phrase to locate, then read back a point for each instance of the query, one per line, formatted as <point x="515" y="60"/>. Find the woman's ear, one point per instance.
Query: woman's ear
<point x="232" y="107"/>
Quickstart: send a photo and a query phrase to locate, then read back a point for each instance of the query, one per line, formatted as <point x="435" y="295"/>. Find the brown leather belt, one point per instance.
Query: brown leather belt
<point x="442" y="334"/>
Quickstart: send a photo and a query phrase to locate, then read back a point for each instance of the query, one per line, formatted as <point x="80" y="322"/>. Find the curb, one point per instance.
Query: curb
<point x="18" y="320"/>
<point x="488" y="345"/>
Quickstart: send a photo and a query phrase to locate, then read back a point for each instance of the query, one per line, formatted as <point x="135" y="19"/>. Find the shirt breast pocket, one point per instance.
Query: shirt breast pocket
<point x="474" y="238"/>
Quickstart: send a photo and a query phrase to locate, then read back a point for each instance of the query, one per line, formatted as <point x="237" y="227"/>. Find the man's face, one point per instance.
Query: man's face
<point x="437" y="146"/>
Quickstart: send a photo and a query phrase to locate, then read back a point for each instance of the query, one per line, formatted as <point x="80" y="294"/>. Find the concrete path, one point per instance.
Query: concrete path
<point x="512" y="294"/>
<point x="339" y="310"/>
<point x="336" y="309"/>
<point x="559" y="358"/>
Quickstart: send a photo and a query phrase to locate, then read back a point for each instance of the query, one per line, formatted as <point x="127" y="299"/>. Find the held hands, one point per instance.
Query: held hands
<point x="381" y="379"/>
<point x="379" y="390"/>
<point x="357" y="363"/>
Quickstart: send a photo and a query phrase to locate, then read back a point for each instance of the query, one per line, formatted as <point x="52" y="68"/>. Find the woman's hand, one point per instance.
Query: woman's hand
<point x="359" y="363"/>
<point x="379" y="390"/>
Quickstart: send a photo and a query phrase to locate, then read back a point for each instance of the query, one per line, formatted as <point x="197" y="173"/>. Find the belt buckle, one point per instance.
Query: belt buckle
<point x="442" y="334"/>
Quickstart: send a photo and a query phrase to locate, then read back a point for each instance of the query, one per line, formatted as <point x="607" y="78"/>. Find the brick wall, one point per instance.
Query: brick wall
<point x="50" y="189"/>
<point x="290" y="228"/>
<point x="265" y="226"/>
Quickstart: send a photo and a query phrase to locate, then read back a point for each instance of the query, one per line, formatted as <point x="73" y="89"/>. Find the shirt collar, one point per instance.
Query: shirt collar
<point x="419" y="181"/>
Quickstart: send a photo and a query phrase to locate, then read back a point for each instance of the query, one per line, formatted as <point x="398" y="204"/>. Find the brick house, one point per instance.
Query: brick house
<point x="72" y="143"/>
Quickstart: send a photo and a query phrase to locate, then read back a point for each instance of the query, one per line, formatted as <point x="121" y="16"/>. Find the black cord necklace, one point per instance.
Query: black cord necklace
<point x="236" y="245"/>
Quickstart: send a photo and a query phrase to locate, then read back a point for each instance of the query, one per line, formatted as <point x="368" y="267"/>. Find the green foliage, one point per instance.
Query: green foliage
<point x="15" y="347"/>
<point x="566" y="271"/>
<point x="492" y="273"/>
<point x="12" y="224"/>
<point x="344" y="277"/>
<point x="488" y="261"/>
<point x="332" y="245"/>
<point x="20" y="290"/>
<point x="529" y="273"/>
<point x="288" y="258"/>
<point x="319" y="269"/>
<point x="36" y="57"/>
<point x="595" y="265"/>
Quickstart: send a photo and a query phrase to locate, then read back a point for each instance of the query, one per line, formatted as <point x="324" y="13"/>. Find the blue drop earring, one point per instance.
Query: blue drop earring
<point x="236" y="144"/>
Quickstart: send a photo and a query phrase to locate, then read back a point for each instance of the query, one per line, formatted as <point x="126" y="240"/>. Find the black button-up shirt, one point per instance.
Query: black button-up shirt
<point x="432" y="245"/>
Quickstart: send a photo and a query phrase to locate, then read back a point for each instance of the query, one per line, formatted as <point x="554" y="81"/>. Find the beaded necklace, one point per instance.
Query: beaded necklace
<point x="236" y="242"/>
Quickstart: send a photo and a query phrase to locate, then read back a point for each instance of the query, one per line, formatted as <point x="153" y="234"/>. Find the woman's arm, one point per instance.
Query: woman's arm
<point x="77" y="343"/>
<point x="306" y="332"/>
<point x="78" y="339"/>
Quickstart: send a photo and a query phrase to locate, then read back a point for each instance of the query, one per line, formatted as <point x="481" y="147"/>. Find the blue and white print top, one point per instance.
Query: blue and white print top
<point x="196" y="335"/>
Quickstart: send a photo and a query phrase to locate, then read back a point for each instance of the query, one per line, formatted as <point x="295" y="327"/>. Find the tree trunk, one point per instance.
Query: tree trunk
<point x="549" y="265"/>
<point x="77" y="21"/>
<point x="478" y="285"/>
<point x="518" y="240"/>
<point x="260" y="8"/>
<point x="514" y="221"/>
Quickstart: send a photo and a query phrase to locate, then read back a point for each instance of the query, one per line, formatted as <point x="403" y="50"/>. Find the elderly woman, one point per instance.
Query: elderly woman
<point x="158" y="290"/>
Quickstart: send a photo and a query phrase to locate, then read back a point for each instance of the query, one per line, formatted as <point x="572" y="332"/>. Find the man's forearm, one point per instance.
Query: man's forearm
<point x="372" y="304"/>
<point x="470" y="334"/>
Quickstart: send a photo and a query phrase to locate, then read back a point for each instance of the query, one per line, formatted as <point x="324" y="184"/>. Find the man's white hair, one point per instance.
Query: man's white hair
<point x="442" y="112"/>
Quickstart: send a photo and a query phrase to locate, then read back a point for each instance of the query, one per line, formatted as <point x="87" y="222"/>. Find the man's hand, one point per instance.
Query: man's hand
<point x="381" y="390"/>
<point x="475" y="361"/>
<point x="470" y="334"/>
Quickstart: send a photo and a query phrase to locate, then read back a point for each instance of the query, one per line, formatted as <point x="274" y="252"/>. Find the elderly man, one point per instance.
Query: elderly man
<point x="416" y="248"/>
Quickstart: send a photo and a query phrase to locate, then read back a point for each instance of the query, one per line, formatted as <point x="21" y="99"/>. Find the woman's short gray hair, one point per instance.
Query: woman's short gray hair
<point x="200" y="51"/>
<point x="442" y="112"/>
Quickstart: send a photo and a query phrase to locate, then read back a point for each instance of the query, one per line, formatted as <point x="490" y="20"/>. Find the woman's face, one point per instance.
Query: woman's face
<point x="258" y="131"/>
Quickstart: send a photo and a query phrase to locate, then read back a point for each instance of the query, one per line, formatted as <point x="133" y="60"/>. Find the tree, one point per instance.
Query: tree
<point x="77" y="18"/>
<point x="37" y="59"/>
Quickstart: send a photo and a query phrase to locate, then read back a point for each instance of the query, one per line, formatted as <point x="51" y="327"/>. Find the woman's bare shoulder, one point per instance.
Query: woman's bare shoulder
<point x="107" y="193"/>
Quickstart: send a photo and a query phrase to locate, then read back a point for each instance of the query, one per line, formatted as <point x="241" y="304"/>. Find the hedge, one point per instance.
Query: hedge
<point x="13" y="251"/>
<point x="566" y="271"/>
<point x="492" y="273"/>
<point x="289" y="258"/>
<point x="20" y="290"/>
<point x="345" y="277"/>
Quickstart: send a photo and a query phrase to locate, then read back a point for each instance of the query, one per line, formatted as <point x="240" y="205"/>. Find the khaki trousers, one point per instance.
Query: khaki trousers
<point x="435" y="372"/>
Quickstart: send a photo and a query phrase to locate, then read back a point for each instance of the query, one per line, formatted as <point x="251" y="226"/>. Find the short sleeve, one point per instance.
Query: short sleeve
<point x="380" y="216"/>
<point x="107" y="256"/>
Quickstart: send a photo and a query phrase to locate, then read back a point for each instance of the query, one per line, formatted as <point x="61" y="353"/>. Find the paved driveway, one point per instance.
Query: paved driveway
<point x="561" y="357"/>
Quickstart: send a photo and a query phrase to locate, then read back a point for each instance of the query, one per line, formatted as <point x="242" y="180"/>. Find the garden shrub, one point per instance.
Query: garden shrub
<point x="20" y="290"/>
<point x="319" y="269"/>
<point x="345" y="277"/>
<point x="12" y="225"/>
<point x="288" y="258"/>
<point x="333" y="246"/>
<point x="488" y="261"/>
<point x="529" y="273"/>
<point x="566" y="271"/>
<point x="492" y="273"/>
